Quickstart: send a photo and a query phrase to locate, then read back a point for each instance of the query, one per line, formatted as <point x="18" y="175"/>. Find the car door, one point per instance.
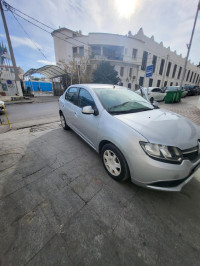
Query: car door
<point x="86" y="125"/>
<point x="69" y="105"/>
<point x="157" y="94"/>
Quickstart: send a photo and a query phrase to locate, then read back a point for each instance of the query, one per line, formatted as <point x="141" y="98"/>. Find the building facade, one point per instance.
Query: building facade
<point x="8" y="86"/>
<point x="130" y="54"/>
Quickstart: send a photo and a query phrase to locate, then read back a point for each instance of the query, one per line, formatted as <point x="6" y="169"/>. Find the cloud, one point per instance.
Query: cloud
<point x="46" y="62"/>
<point x="22" y="41"/>
<point x="169" y="21"/>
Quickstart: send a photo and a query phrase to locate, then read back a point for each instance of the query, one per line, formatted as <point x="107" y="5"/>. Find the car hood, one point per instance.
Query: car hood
<point x="163" y="127"/>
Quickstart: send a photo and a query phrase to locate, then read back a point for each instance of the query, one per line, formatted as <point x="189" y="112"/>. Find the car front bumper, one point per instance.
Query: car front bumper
<point x="164" y="176"/>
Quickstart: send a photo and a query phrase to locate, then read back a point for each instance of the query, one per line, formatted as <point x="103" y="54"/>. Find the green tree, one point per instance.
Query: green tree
<point x="105" y="74"/>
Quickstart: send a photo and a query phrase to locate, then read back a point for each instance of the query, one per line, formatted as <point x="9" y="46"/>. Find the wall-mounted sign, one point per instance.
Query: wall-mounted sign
<point x="9" y="82"/>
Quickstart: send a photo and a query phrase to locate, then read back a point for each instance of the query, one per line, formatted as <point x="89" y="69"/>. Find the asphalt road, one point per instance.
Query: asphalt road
<point x="22" y="115"/>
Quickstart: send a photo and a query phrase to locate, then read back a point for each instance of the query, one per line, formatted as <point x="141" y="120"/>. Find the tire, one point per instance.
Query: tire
<point x="111" y="155"/>
<point x="151" y="100"/>
<point x="63" y="122"/>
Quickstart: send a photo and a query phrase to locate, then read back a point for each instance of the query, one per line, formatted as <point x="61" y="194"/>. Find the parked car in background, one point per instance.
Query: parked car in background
<point x="192" y="90"/>
<point x="175" y="88"/>
<point x="154" y="94"/>
<point x="153" y="147"/>
<point x="2" y="104"/>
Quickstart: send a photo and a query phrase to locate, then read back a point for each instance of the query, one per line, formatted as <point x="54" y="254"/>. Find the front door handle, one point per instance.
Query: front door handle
<point x="76" y="114"/>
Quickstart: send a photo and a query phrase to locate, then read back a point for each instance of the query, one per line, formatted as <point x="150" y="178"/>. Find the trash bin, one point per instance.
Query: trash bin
<point x="170" y="97"/>
<point x="173" y="96"/>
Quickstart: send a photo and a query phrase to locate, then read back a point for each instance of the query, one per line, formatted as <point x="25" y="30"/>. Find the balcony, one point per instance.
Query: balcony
<point x="109" y="52"/>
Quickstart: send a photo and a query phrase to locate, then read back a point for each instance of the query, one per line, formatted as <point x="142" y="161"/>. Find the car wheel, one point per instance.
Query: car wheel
<point x="114" y="162"/>
<point x="63" y="122"/>
<point x="151" y="100"/>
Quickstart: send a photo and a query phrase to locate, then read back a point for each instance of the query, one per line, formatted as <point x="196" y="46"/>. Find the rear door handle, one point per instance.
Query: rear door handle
<point x="76" y="114"/>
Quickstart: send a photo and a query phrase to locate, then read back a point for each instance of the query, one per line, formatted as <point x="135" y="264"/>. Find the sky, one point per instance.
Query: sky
<point x="169" y="21"/>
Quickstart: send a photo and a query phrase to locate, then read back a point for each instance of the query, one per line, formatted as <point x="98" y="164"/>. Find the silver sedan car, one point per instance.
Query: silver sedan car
<point x="156" y="148"/>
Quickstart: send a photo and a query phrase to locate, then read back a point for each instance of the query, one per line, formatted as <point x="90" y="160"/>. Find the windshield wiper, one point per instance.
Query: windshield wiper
<point x="123" y="104"/>
<point x="130" y="111"/>
<point x="118" y="105"/>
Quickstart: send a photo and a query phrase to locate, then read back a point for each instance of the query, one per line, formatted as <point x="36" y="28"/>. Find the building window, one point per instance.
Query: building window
<point x="121" y="71"/>
<point x="150" y="82"/>
<point x="144" y="60"/>
<point x="168" y="69"/>
<point x="141" y="81"/>
<point x="134" y="53"/>
<point x="113" y="52"/>
<point x="74" y="49"/>
<point x="165" y="84"/>
<point x="154" y="62"/>
<point x="191" y="77"/>
<point x="194" y="77"/>
<point x="188" y="74"/>
<point x="171" y="83"/>
<point x="197" y="79"/>
<point x="185" y="74"/>
<point x="88" y="68"/>
<point x="130" y="72"/>
<point x="179" y="73"/>
<point x="176" y="83"/>
<point x="81" y="51"/>
<point x="96" y="50"/>
<point x="158" y="83"/>
<point x="174" y="71"/>
<point x="129" y="85"/>
<point x="161" y="66"/>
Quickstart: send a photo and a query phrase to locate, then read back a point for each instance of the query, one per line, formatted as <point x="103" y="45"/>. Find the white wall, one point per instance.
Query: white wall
<point x="63" y="51"/>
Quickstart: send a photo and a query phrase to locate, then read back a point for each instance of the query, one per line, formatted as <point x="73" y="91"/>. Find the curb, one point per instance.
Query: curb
<point x="18" y="102"/>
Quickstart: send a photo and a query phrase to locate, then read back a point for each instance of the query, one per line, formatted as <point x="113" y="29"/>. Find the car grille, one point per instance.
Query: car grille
<point x="191" y="154"/>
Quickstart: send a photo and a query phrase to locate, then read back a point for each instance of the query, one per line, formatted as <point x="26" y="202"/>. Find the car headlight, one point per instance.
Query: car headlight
<point x="163" y="153"/>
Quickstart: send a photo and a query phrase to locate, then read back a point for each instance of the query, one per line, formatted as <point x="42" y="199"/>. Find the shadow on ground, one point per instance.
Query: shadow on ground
<point x="59" y="207"/>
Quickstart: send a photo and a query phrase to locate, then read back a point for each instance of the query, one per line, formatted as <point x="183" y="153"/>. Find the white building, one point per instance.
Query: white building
<point x="130" y="55"/>
<point x="8" y="86"/>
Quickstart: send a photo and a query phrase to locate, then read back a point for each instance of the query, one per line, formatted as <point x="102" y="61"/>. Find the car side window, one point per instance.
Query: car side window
<point x="85" y="99"/>
<point x="72" y="95"/>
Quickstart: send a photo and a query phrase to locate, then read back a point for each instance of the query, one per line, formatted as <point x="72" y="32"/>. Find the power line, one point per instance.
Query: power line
<point x="45" y="29"/>
<point x="13" y="9"/>
<point x="29" y="36"/>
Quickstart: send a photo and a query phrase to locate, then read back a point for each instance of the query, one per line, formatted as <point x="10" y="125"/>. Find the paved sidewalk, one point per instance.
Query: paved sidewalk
<point x="187" y="107"/>
<point x="59" y="207"/>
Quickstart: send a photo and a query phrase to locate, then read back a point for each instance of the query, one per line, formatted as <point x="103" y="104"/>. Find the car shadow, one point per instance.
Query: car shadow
<point x="57" y="178"/>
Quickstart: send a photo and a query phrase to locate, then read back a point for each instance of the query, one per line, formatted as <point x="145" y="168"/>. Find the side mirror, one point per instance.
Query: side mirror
<point x="87" y="110"/>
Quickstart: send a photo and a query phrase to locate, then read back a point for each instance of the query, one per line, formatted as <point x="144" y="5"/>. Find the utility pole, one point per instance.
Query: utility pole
<point x="189" y="46"/>
<point x="17" y="79"/>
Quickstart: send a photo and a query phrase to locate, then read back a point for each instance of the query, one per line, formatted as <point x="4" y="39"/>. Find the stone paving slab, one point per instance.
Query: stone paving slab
<point x="187" y="107"/>
<point x="59" y="207"/>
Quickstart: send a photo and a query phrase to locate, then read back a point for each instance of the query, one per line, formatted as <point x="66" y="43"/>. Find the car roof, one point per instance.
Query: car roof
<point x="98" y="86"/>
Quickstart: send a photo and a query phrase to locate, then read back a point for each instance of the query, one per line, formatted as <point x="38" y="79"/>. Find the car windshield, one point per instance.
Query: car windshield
<point x="117" y="101"/>
<point x="173" y="88"/>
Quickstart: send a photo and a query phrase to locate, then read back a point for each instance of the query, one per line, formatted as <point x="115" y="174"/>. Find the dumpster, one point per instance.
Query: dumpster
<point x="173" y="96"/>
<point x="170" y="97"/>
